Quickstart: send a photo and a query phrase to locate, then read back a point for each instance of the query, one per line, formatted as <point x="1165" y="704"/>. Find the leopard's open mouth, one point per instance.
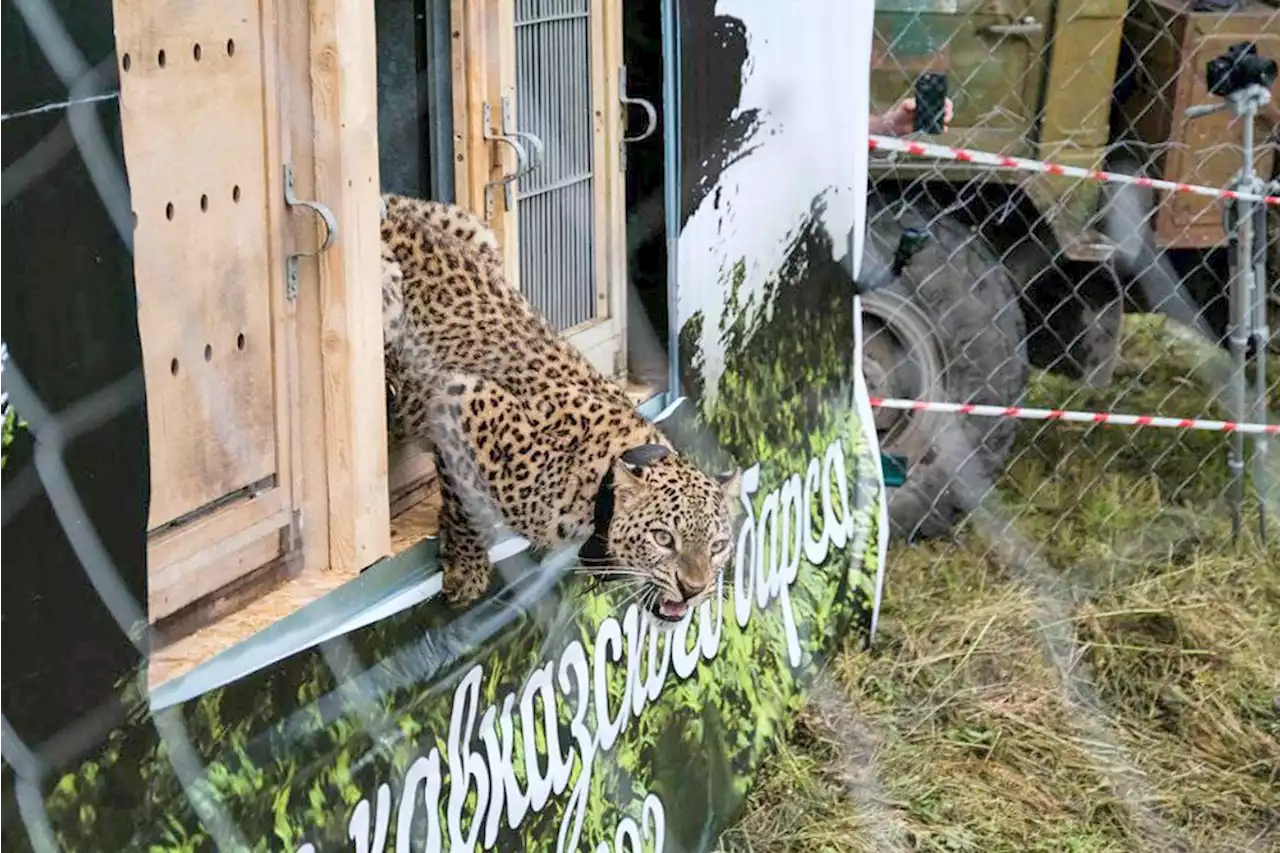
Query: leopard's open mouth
<point x="670" y="611"/>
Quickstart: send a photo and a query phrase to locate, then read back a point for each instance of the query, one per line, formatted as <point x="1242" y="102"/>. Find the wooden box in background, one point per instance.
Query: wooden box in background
<point x="1172" y="45"/>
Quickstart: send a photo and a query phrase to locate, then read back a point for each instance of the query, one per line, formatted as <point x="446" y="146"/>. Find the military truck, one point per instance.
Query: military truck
<point x="1022" y="270"/>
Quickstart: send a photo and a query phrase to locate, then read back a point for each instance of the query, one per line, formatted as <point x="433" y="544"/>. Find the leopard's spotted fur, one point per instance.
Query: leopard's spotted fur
<point x="525" y="431"/>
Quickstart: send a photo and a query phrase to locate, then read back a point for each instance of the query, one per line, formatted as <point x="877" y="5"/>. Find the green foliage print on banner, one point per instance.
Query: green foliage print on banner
<point x="12" y="422"/>
<point x="414" y="733"/>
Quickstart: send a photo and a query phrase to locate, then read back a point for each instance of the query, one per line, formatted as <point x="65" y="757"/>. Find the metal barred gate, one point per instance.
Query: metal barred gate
<point x="556" y="197"/>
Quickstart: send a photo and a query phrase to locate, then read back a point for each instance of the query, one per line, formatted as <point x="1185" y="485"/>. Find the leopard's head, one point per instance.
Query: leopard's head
<point x="670" y="532"/>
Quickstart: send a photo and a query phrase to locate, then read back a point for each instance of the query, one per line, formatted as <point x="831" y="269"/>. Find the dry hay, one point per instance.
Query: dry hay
<point x="1103" y="674"/>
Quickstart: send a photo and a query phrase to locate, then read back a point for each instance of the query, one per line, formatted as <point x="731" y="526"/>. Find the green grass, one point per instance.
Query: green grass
<point x="1105" y="679"/>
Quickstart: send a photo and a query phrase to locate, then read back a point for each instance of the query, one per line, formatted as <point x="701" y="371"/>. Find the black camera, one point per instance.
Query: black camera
<point x="1239" y="68"/>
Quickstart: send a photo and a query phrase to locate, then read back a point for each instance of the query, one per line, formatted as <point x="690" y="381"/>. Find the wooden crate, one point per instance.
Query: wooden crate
<point x="271" y="476"/>
<point x="1174" y="45"/>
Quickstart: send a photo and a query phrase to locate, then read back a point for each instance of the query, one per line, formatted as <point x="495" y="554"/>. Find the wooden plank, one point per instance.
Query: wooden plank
<point x="604" y="162"/>
<point x="289" y="436"/>
<point x="192" y="115"/>
<point x="231" y="598"/>
<point x="615" y="192"/>
<point x="415" y="523"/>
<point x="614" y="284"/>
<point x="484" y="70"/>
<point x="409" y="468"/>
<point x="344" y="105"/>
<point x="232" y="559"/>
<point x="182" y="543"/>
<point x="471" y="154"/>
<point x="297" y="143"/>
<point x="185" y="653"/>
<point x="501" y="28"/>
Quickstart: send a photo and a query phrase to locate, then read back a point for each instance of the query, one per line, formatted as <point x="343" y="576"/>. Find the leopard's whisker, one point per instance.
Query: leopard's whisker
<point x="598" y="570"/>
<point x="612" y="574"/>
<point x="588" y="567"/>
<point x="646" y="599"/>
<point x="632" y="589"/>
<point x="618" y="605"/>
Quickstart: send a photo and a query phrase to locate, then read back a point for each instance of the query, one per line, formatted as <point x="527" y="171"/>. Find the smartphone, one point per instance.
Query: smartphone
<point x="931" y="102"/>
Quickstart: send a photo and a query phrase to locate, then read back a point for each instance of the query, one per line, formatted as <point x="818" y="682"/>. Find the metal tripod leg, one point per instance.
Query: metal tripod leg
<point x="1260" y="336"/>
<point x="1237" y="340"/>
<point x="1247" y="329"/>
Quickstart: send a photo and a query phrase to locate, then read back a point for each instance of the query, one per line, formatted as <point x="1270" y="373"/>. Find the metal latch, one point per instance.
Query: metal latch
<point x="330" y="233"/>
<point x="627" y="101"/>
<point x="516" y="139"/>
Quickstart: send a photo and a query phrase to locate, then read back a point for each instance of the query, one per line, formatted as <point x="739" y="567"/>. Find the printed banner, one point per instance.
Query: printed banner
<point x="557" y="715"/>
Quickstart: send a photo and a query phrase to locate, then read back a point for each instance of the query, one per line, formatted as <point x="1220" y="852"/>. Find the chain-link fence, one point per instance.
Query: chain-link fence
<point x="1024" y="286"/>
<point x="1077" y="617"/>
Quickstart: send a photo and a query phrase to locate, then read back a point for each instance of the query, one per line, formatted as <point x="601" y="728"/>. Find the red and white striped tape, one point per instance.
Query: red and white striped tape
<point x="1074" y="417"/>
<point x="1000" y="161"/>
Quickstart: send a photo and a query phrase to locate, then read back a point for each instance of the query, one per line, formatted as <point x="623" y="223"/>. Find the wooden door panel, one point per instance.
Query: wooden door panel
<point x="193" y="114"/>
<point x="200" y="129"/>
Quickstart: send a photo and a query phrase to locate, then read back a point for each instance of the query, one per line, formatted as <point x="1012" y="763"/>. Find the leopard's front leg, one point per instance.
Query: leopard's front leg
<point x="466" y="561"/>
<point x="467" y="416"/>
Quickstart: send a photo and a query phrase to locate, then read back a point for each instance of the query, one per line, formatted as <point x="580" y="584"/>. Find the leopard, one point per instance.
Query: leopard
<point x="530" y="440"/>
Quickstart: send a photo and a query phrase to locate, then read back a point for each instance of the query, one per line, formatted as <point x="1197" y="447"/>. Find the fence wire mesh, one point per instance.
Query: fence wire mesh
<point x="1077" y="652"/>
<point x="1117" y="540"/>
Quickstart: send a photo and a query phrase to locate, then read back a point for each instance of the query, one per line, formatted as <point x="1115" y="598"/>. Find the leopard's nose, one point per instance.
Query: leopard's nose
<point x="688" y="589"/>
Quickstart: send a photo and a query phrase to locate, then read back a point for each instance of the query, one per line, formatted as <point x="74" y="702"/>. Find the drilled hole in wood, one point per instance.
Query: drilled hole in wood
<point x="173" y="367"/>
<point x="126" y="61"/>
<point x="168" y="211"/>
<point x="204" y="202"/>
<point x="240" y="341"/>
<point x="208" y="352"/>
<point x="235" y="193"/>
<point x="195" y="51"/>
<point x="231" y="47"/>
<point x="160" y="58"/>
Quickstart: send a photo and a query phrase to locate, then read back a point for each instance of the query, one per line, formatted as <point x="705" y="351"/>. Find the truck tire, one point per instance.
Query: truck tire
<point x="949" y="328"/>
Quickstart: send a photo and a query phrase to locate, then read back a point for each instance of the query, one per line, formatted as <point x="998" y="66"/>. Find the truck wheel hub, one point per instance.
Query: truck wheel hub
<point x="900" y="360"/>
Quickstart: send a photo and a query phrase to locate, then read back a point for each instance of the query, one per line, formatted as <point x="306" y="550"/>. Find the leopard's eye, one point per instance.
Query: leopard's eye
<point x="719" y="546"/>
<point x="663" y="538"/>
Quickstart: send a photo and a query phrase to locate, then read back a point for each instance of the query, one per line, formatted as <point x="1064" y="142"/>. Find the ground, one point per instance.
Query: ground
<point x="1089" y="666"/>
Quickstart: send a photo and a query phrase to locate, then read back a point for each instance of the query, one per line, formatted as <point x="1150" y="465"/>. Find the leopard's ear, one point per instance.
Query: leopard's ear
<point x="628" y="472"/>
<point x="644" y="455"/>
<point x="629" y="487"/>
<point x="730" y="484"/>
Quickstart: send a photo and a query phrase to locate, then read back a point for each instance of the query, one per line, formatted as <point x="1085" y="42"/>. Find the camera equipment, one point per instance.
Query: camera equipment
<point x="1243" y="80"/>
<point x="931" y="102"/>
<point x="1238" y="69"/>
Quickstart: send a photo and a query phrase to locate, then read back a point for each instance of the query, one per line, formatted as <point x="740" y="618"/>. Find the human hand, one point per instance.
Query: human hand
<point x="900" y="120"/>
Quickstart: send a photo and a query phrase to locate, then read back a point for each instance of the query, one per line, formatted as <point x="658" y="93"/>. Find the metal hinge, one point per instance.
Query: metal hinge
<point x="330" y="235"/>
